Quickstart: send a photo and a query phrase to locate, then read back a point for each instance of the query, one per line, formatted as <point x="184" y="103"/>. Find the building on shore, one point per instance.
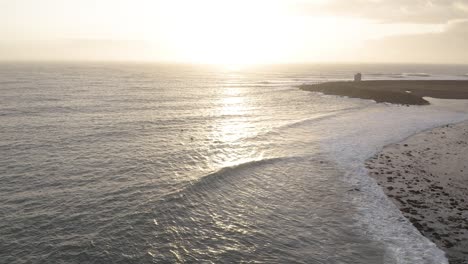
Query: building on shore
<point x="358" y="77"/>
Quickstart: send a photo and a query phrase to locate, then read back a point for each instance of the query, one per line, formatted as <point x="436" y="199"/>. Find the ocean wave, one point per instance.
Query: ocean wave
<point x="320" y="117"/>
<point x="397" y="76"/>
<point x="417" y="74"/>
<point x="384" y="75"/>
<point x="380" y="74"/>
<point x="224" y="176"/>
<point x="221" y="176"/>
<point x="278" y="130"/>
<point x="36" y="111"/>
<point x="260" y="84"/>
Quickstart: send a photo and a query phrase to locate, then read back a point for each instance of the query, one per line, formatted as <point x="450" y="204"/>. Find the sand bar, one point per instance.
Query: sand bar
<point x="426" y="176"/>
<point x="394" y="91"/>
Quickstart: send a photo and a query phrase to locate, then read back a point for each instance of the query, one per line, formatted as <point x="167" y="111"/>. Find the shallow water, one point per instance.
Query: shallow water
<point x="169" y="163"/>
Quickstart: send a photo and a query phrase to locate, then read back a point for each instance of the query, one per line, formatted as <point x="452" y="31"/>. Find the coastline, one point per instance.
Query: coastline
<point x="426" y="176"/>
<point x="405" y="92"/>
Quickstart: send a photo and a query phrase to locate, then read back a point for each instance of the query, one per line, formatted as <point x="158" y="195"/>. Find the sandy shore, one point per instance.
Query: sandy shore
<point x="426" y="176"/>
<point x="394" y="91"/>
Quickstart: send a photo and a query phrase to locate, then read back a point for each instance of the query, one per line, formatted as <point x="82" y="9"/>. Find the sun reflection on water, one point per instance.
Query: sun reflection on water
<point x="234" y="108"/>
<point x="234" y="127"/>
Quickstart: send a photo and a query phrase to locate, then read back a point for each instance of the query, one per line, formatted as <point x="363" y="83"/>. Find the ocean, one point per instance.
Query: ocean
<point x="150" y="163"/>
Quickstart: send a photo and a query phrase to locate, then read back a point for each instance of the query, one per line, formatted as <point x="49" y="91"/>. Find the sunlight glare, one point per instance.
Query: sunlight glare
<point x="230" y="32"/>
<point x="236" y="34"/>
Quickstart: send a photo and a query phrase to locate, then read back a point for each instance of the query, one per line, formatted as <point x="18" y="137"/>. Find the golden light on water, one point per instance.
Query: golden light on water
<point x="233" y="127"/>
<point x="232" y="106"/>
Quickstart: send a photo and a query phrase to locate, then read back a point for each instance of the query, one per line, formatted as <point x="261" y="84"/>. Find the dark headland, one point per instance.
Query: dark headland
<point x="394" y="91"/>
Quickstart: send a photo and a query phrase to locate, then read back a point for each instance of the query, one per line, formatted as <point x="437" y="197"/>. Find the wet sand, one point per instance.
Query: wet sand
<point x="394" y="91"/>
<point x="426" y="176"/>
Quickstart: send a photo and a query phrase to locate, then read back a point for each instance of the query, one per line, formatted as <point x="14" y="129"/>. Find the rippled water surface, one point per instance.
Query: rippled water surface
<point x="110" y="163"/>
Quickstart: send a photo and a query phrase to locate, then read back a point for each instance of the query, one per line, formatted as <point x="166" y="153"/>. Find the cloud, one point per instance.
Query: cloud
<point x="391" y="11"/>
<point x="448" y="46"/>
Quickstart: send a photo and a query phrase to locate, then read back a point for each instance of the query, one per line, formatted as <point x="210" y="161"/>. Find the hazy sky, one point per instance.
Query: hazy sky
<point x="237" y="31"/>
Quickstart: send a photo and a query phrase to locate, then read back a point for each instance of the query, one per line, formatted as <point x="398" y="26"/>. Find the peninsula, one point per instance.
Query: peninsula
<point x="405" y="92"/>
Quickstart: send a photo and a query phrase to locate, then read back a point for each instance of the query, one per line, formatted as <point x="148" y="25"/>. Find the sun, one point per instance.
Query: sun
<point x="240" y="33"/>
<point x="229" y="33"/>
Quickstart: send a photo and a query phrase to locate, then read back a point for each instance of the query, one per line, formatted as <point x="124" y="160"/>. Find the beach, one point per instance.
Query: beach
<point x="409" y="92"/>
<point x="426" y="176"/>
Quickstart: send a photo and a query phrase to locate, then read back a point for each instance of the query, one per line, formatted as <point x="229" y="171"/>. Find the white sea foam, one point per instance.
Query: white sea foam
<point x="353" y="138"/>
